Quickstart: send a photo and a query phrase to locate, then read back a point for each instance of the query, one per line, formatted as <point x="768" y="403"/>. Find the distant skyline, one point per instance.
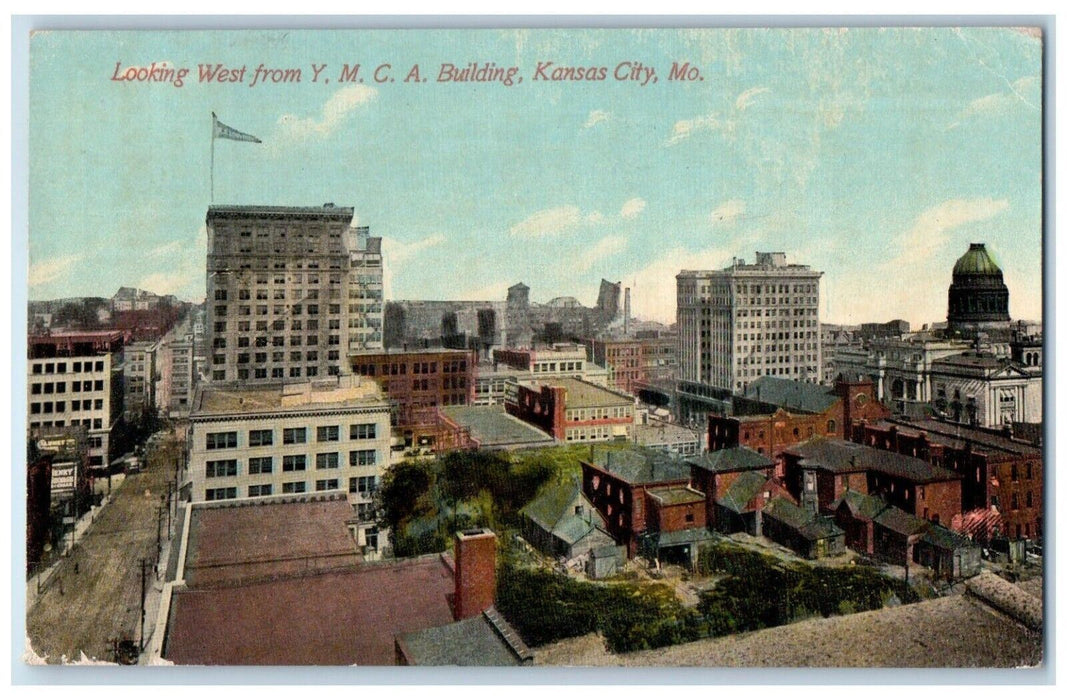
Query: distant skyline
<point x="873" y="155"/>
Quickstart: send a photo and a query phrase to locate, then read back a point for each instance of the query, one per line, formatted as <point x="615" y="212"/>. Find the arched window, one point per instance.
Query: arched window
<point x="1015" y="501"/>
<point x="1015" y="472"/>
<point x="831" y="426"/>
<point x="1029" y="499"/>
<point x="1029" y="470"/>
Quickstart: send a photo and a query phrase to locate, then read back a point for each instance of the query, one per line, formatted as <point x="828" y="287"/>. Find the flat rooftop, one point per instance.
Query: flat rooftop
<point x="337" y="618"/>
<point x="955" y="435"/>
<point x="583" y="394"/>
<point x="242" y="540"/>
<point x="677" y="495"/>
<point x="350" y="390"/>
<point x="238" y="211"/>
<point x="492" y="427"/>
<point x="661" y="433"/>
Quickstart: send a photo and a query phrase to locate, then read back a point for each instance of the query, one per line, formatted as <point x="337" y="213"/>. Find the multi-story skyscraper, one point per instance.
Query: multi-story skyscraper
<point x="290" y="291"/>
<point x="748" y="321"/>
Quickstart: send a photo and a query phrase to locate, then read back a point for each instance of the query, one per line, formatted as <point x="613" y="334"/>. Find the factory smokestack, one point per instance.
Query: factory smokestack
<point x="626" y="312"/>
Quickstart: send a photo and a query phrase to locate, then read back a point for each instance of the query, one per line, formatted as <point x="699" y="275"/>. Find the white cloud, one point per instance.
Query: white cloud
<point x="684" y="128"/>
<point x="728" y="212"/>
<point x="183" y="267"/>
<point x="745" y="98"/>
<point x="1020" y="91"/>
<point x="46" y="271"/>
<point x="929" y="234"/>
<point x="597" y="116"/>
<point x="912" y="283"/>
<point x="166" y="249"/>
<point x="339" y="106"/>
<point x="164" y="282"/>
<point x="604" y="248"/>
<point x="548" y="222"/>
<point x="395" y="251"/>
<point x="633" y="208"/>
<point x="594" y="217"/>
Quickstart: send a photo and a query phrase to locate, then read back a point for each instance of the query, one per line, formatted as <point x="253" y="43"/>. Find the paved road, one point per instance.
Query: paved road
<point x="96" y="594"/>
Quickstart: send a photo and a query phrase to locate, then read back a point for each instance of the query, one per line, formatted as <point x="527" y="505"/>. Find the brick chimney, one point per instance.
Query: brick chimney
<point x="475" y="556"/>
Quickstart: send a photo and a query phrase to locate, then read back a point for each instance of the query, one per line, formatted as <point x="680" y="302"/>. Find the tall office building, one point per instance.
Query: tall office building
<point x="290" y="292"/>
<point x="747" y="321"/>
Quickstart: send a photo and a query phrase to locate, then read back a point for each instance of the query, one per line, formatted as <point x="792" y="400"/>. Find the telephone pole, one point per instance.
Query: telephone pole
<point x="141" y="642"/>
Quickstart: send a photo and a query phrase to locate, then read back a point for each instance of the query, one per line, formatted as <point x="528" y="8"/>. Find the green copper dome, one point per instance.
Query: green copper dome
<point x="976" y="261"/>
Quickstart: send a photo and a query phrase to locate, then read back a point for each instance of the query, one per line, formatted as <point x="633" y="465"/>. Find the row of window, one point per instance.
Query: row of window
<point x="61" y="387"/>
<point x="219" y="375"/>
<point x="61" y="406"/>
<point x="292" y="436"/>
<point x="61" y="367"/>
<point x="290" y="463"/>
<point x="360" y="484"/>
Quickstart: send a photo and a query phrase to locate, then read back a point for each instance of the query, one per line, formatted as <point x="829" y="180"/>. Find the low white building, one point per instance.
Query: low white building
<point x="322" y="436"/>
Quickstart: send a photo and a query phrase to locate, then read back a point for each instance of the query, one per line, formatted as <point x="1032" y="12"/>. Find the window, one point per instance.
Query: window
<point x="221" y="441"/>
<point x="295" y="487"/>
<point x="260" y="490"/>
<point x="294" y="463"/>
<point x="260" y="465"/>
<point x="327" y="460"/>
<point x="328" y="433"/>
<point x="326" y="485"/>
<point x="220" y="494"/>
<point x="363" y="431"/>
<point x="294" y="436"/>
<point x="259" y="438"/>
<point x="363" y="484"/>
<point x="361" y="458"/>
<point x="222" y="467"/>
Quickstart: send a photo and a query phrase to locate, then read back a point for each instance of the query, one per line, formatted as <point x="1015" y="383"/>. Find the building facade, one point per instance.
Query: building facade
<point x="291" y="291"/>
<point x="139" y="377"/>
<point x="571" y="410"/>
<point x="747" y="321"/>
<point x="633" y="363"/>
<point x="324" y="436"/>
<point x="977" y="297"/>
<point x="75" y="379"/>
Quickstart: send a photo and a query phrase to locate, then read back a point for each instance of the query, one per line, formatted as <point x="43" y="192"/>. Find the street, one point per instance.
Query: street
<point x="94" y="599"/>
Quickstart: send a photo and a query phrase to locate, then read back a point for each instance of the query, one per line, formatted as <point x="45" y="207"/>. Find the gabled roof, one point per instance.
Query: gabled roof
<point x="944" y="538"/>
<point x="484" y="640"/>
<point x="792" y="395"/>
<point x="553" y="511"/>
<point x="893" y="518"/>
<point x="643" y="466"/>
<point x="860" y="504"/>
<point x="842" y="457"/>
<point x="741" y="491"/>
<point x="731" y="459"/>
<point x="807" y="524"/>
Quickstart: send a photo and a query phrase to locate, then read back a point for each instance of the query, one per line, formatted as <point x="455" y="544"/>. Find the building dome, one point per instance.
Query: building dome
<point x="976" y="261"/>
<point x="978" y="297"/>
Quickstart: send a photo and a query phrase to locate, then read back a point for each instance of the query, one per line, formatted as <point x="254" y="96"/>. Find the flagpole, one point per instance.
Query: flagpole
<point x="213" y="118"/>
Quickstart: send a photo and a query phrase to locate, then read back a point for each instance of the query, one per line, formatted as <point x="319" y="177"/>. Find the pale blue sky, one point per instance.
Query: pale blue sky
<point x="873" y="155"/>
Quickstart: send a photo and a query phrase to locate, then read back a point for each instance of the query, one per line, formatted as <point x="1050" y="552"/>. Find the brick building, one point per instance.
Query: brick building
<point x="417" y="382"/>
<point x="633" y="363"/>
<point x="998" y="473"/>
<point x="637" y="491"/>
<point x="777" y="413"/>
<point x="818" y="472"/>
<point x="571" y="410"/>
<point x="715" y="472"/>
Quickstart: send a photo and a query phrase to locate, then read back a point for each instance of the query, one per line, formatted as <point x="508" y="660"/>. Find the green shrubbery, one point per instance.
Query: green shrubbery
<point x="545" y="606"/>
<point x="757" y="591"/>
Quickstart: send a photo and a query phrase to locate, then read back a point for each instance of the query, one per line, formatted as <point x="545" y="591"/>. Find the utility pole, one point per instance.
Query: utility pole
<point x="141" y="642"/>
<point x="159" y="527"/>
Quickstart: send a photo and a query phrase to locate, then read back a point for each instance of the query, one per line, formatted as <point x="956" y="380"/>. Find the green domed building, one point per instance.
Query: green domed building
<point x="978" y="297"/>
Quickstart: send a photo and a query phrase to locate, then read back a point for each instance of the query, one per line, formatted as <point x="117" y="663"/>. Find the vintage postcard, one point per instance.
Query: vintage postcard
<point x="713" y="347"/>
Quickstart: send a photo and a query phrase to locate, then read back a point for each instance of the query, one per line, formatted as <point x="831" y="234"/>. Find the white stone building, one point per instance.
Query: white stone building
<point x="747" y="321"/>
<point x="328" y="435"/>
